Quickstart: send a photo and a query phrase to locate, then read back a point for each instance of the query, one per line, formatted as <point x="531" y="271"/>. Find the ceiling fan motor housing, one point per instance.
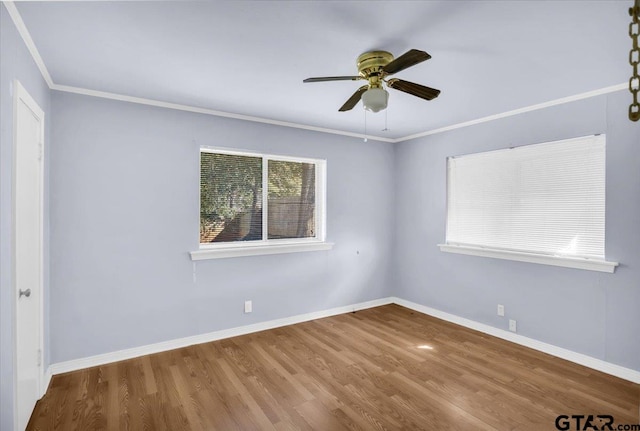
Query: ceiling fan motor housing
<point x="370" y="66"/>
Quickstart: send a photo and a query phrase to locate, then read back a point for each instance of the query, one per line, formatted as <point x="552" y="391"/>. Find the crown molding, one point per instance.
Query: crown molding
<point x="35" y="54"/>
<point x="561" y="101"/>
<point x="213" y="112"/>
<point x="26" y="36"/>
<point x="28" y="41"/>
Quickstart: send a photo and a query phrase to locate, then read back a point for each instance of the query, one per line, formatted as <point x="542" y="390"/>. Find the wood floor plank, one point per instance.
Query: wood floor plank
<point x="385" y="368"/>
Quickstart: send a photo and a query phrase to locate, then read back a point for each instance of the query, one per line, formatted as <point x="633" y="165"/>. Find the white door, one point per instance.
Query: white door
<point x="28" y="226"/>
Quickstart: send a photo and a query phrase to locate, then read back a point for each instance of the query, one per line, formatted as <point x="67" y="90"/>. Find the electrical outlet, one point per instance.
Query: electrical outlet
<point x="500" y="310"/>
<point x="248" y="307"/>
<point x="512" y="325"/>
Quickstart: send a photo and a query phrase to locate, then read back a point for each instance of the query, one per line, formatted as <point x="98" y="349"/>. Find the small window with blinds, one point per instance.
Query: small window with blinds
<point x="257" y="199"/>
<point x="543" y="199"/>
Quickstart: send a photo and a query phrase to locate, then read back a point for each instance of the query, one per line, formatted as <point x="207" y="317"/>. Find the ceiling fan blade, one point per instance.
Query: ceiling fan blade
<point x="408" y="59"/>
<point x="333" y="78"/>
<point x="418" y="90"/>
<point x="354" y="99"/>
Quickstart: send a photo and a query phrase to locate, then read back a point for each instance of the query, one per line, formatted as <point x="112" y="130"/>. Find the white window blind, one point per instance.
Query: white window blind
<point x="545" y="199"/>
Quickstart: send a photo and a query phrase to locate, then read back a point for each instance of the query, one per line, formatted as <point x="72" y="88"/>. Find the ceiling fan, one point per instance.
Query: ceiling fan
<point x="375" y="66"/>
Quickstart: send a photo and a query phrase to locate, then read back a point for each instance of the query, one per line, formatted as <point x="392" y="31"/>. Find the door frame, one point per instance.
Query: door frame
<point x="20" y="95"/>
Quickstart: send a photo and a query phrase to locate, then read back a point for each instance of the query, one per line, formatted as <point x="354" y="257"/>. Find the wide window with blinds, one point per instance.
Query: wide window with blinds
<point x="249" y="199"/>
<point x="543" y="203"/>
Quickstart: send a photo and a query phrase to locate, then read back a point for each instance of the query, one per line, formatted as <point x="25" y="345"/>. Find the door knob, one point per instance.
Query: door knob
<point x="22" y="293"/>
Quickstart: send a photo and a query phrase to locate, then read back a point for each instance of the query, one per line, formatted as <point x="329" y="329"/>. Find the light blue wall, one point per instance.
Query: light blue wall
<point x="125" y="214"/>
<point x="588" y="312"/>
<point x="123" y="193"/>
<point x="15" y="63"/>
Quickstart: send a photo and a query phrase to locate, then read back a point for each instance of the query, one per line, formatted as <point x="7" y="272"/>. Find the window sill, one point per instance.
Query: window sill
<point x="257" y="250"/>
<point x="567" y="262"/>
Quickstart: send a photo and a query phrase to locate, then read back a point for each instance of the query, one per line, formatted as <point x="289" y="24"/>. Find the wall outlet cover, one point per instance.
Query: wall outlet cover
<point x="512" y="325"/>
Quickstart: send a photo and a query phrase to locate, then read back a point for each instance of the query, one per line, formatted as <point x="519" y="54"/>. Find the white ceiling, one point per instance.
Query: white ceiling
<point x="250" y="57"/>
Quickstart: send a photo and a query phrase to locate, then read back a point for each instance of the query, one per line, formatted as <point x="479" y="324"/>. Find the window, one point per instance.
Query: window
<point x="542" y="203"/>
<point x="259" y="204"/>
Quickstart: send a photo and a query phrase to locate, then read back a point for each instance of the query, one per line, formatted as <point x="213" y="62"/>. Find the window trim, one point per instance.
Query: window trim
<point x="544" y="259"/>
<point x="259" y="249"/>
<point x="271" y="246"/>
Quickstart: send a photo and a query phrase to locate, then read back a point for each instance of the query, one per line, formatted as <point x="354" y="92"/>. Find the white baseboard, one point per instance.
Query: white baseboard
<point x="121" y="355"/>
<point x="578" y="358"/>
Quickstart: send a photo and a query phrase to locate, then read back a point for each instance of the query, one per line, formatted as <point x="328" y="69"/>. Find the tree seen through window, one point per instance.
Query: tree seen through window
<point x="231" y="198"/>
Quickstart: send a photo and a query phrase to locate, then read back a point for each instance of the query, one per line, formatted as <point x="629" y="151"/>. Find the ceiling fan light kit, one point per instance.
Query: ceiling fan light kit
<point x="375" y="99"/>
<point x="375" y="66"/>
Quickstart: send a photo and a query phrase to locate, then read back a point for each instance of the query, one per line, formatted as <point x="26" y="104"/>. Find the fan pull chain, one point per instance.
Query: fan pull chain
<point x="365" y="125"/>
<point x="386" y="112"/>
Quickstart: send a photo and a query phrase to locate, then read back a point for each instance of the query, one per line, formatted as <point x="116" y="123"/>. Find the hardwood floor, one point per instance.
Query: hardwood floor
<point x="386" y="368"/>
